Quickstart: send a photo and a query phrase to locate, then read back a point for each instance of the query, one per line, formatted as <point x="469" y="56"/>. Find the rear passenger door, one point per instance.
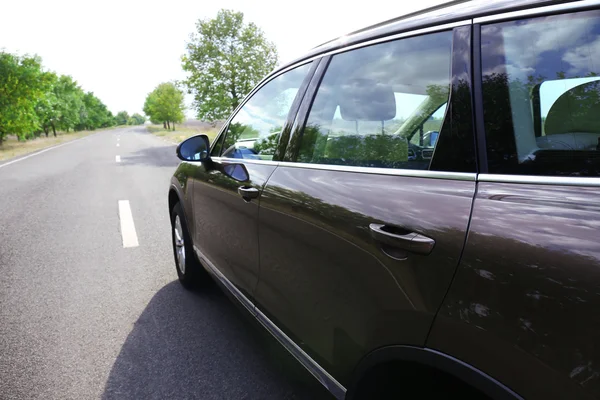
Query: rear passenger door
<point x="362" y="225"/>
<point x="524" y="304"/>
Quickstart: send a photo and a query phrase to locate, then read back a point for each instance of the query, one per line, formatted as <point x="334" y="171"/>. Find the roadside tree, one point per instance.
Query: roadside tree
<point x="22" y="85"/>
<point x="165" y="104"/>
<point x="225" y="59"/>
<point x="121" y="118"/>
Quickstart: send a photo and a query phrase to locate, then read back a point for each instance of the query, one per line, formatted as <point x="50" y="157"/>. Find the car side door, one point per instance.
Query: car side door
<point x="359" y="239"/>
<point x="523" y="307"/>
<point x="226" y="196"/>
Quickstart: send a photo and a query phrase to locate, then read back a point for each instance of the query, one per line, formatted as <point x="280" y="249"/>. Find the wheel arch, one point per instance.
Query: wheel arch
<point x="175" y="196"/>
<point x="433" y="359"/>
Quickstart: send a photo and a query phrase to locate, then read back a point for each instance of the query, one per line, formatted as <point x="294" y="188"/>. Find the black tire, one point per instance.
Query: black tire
<point x="191" y="274"/>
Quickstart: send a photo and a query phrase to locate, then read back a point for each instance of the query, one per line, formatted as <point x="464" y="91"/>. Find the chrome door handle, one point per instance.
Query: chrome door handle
<point x="248" y="193"/>
<point x="409" y="241"/>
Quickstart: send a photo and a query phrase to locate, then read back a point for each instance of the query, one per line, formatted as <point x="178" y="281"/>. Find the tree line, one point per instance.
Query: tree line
<point x="34" y="101"/>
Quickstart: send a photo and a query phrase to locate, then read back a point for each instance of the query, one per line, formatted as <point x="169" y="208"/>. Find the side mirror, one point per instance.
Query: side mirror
<point x="195" y="148"/>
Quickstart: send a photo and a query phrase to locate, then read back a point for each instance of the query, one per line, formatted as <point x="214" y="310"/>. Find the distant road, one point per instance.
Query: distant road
<point x="89" y="313"/>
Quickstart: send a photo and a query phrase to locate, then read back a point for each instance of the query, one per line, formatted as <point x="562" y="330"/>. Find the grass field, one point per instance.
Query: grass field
<point x="11" y="147"/>
<point x="185" y="130"/>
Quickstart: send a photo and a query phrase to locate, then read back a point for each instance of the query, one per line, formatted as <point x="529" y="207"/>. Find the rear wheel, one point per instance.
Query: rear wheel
<point x="188" y="268"/>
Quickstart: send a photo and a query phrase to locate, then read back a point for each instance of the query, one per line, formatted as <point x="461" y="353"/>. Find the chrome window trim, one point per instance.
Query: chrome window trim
<point x="532" y="12"/>
<point x="330" y="383"/>
<point x="245" y="161"/>
<point x="540" y="180"/>
<point x="413" y="173"/>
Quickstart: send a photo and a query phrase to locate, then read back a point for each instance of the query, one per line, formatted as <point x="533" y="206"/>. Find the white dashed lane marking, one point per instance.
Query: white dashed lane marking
<point x="128" y="233"/>
<point x="118" y="158"/>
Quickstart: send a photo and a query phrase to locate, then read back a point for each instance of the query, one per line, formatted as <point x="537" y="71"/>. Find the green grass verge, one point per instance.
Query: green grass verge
<point x="181" y="133"/>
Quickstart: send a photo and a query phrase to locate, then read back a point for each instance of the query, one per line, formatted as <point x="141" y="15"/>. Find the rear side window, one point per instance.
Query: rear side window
<point x="541" y="95"/>
<point x="381" y="106"/>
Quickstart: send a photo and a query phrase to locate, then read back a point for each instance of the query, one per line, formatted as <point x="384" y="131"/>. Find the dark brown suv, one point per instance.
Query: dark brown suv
<point x="415" y="207"/>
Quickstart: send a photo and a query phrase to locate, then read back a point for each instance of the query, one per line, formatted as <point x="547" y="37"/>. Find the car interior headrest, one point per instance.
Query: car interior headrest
<point x="576" y="110"/>
<point x="366" y="100"/>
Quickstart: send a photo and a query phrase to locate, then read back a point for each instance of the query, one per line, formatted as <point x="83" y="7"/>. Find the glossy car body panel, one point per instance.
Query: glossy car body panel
<point x="524" y="304"/>
<point x="226" y="225"/>
<point x="334" y="387"/>
<point x="329" y="285"/>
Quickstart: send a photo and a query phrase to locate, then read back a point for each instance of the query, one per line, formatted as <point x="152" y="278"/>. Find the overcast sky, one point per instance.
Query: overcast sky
<point x="121" y="50"/>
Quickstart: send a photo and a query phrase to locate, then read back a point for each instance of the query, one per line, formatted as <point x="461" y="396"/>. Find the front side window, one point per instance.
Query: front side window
<point x="541" y="95"/>
<point x="381" y="106"/>
<point x="254" y="131"/>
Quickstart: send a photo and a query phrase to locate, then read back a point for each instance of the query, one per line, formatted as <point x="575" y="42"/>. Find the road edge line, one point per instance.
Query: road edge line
<point x="45" y="150"/>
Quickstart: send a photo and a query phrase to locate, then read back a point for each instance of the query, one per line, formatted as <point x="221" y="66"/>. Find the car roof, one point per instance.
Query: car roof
<point x="446" y="13"/>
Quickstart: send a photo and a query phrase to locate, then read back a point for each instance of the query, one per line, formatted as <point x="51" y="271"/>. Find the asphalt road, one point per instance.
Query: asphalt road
<point x="82" y="317"/>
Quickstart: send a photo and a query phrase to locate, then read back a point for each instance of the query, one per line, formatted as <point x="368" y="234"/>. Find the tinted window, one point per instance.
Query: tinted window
<point x="254" y="131"/>
<point x="381" y="106"/>
<point x="541" y="95"/>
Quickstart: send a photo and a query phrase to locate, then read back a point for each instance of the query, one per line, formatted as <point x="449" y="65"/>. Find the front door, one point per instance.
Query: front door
<point x="361" y="235"/>
<point x="226" y="204"/>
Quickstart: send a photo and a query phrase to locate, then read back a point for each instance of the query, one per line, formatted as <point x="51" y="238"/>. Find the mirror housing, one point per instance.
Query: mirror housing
<point x="196" y="148"/>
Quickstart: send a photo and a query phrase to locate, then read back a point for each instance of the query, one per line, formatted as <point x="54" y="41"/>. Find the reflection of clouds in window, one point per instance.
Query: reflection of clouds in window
<point x="582" y="58"/>
<point x="524" y="47"/>
<point x="417" y="62"/>
<point x="410" y="66"/>
<point x="257" y="119"/>
<point x="268" y="107"/>
<point x="558" y="53"/>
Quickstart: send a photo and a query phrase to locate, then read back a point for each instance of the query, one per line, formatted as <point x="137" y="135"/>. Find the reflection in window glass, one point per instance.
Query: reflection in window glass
<point x="381" y="106"/>
<point x="254" y="131"/>
<point x="542" y="95"/>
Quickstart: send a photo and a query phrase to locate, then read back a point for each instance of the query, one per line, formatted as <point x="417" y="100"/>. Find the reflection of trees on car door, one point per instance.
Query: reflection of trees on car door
<point x="225" y="222"/>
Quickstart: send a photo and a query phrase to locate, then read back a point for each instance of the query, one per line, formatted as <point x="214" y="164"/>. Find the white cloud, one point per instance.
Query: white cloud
<point x="122" y="49"/>
<point x="583" y="58"/>
<point x="525" y="42"/>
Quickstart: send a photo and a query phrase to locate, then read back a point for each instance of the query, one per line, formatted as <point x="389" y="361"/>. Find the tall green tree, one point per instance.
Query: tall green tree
<point x="47" y="107"/>
<point x="121" y="118"/>
<point x="70" y="102"/>
<point x="225" y="59"/>
<point x="136" y="119"/>
<point x="93" y="114"/>
<point x="165" y="104"/>
<point x="22" y="85"/>
<point x="150" y="108"/>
